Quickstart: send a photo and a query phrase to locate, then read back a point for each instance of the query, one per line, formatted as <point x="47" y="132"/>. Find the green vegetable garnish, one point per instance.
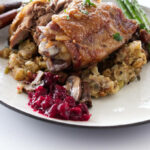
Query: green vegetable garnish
<point x="68" y="17"/>
<point x="124" y="9"/>
<point x="141" y="13"/>
<point x="84" y="11"/>
<point x="88" y="3"/>
<point x="31" y="1"/>
<point x="65" y="10"/>
<point x="133" y="10"/>
<point x="142" y="26"/>
<point x="117" y="37"/>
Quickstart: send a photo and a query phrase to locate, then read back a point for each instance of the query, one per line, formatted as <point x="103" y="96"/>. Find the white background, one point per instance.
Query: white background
<point x="18" y="132"/>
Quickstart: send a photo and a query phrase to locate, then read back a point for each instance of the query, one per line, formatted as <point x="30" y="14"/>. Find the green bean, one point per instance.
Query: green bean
<point x="132" y="11"/>
<point x="124" y="9"/>
<point x="142" y="14"/>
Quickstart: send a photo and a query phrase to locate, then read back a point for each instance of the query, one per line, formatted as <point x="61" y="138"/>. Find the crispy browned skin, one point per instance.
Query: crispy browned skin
<point x="92" y="34"/>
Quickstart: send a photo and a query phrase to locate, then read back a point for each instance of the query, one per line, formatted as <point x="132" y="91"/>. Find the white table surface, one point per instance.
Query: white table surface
<point x="18" y="132"/>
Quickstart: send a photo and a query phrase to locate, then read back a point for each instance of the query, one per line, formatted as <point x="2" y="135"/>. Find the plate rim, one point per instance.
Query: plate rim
<point x="71" y="124"/>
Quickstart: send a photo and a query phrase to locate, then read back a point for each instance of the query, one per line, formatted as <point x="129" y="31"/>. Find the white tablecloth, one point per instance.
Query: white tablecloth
<point x="18" y="132"/>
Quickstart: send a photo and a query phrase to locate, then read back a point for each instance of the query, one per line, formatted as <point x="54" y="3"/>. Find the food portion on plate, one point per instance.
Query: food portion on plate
<point x="66" y="53"/>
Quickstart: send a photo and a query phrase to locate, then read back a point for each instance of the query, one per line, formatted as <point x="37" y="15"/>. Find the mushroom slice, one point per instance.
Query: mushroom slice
<point x="57" y="65"/>
<point x="47" y="49"/>
<point x="35" y="83"/>
<point x="73" y="85"/>
<point x="86" y="96"/>
<point x="38" y="78"/>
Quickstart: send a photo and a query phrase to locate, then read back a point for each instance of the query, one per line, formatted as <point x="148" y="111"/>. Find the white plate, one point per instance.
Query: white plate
<point x="130" y="106"/>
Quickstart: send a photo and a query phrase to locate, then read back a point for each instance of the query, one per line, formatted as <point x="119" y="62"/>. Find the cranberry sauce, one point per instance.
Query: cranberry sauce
<point x="52" y="100"/>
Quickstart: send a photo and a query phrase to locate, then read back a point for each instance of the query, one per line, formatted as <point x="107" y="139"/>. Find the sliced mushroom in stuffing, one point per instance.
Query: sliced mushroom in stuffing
<point x="73" y="85"/>
<point x="86" y="96"/>
<point x="35" y="83"/>
<point x="56" y="65"/>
